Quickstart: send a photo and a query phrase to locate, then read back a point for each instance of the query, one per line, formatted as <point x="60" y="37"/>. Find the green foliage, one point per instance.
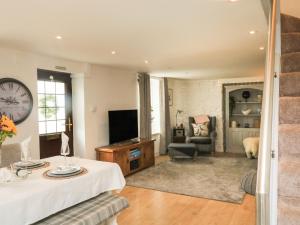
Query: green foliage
<point x="48" y="102"/>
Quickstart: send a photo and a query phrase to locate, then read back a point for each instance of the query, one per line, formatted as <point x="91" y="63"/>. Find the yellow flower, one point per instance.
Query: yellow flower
<point x="7" y="125"/>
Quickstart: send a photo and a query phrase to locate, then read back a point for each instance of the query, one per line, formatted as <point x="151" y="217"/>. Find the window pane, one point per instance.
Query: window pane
<point x="50" y="113"/>
<point x="61" y="114"/>
<point x="50" y="87"/>
<point x="61" y="126"/>
<point x="60" y="100"/>
<point x="51" y="126"/>
<point x="60" y="88"/>
<point x="41" y="86"/>
<point x="42" y="114"/>
<point x="50" y="100"/>
<point x="42" y="100"/>
<point x="42" y="127"/>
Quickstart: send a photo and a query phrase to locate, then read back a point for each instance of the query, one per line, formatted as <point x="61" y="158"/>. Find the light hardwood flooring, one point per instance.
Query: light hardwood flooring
<point x="150" y="207"/>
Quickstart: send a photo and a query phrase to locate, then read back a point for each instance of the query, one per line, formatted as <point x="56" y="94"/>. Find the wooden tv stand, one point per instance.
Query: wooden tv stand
<point x="120" y="153"/>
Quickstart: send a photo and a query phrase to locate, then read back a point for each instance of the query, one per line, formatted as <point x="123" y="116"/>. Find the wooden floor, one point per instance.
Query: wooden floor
<point x="150" y="207"/>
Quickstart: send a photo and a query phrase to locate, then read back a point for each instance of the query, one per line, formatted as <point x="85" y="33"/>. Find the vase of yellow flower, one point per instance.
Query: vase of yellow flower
<point x="7" y="129"/>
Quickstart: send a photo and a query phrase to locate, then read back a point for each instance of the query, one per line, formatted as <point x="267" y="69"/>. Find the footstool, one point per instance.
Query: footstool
<point x="182" y="150"/>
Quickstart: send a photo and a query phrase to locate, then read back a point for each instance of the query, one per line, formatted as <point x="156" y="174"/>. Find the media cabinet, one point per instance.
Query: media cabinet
<point x="131" y="157"/>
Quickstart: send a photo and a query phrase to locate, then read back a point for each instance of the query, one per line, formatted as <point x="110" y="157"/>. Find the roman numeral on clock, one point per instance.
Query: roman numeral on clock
<point x="2" y="87"/>
<point x="24" y="94"/>
<point x="18" y="89"/>
<point x="10" y="85"/>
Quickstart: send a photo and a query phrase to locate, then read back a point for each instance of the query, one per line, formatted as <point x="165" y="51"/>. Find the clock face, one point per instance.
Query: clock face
<point x="15" y="100"/>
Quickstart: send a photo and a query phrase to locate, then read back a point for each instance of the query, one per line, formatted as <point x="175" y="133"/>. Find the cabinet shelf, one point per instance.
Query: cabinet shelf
<point x="244" y="128"/>
<point x="249" y="115"/>
<point x="135" y="158"/>
<point x="248" y="103"/>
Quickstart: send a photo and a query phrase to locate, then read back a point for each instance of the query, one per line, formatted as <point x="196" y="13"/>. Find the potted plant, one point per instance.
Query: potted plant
<point x="7" y="128"/>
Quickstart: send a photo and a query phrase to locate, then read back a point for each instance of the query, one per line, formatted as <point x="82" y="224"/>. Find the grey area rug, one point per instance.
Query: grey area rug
<point x="206" y="177"/>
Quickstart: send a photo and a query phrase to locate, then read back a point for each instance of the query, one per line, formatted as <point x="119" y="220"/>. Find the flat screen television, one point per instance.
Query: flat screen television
<point x="123" y="125"/>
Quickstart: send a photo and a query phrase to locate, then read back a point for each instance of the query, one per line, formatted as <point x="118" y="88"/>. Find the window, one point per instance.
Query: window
<point x="155" y="105"/>
<point x="51" y="106"/>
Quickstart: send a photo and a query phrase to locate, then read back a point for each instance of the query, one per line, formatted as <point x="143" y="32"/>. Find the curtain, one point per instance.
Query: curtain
<point x="145" y="105"/>
<point x="165" y="124"/>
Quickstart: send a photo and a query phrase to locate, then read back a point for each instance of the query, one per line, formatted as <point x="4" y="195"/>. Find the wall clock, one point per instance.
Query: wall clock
<point x="15" y="100"/>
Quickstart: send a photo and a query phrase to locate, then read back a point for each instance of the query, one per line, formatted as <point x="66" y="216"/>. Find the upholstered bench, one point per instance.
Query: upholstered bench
<point x="182" y="150"/>
<point x="95" y="211"/>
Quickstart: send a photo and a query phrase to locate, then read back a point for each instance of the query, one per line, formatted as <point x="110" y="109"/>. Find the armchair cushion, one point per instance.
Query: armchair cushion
<point x="203" y="143"/>
<point x="201" y="129"/>
<point x="199" y="140"/>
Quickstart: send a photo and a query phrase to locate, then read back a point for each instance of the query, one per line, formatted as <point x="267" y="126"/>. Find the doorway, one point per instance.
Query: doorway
<point x="54" y="111"/>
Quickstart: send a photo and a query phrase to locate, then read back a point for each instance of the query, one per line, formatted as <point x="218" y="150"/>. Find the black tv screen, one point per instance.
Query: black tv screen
<point x="123" y="125"/>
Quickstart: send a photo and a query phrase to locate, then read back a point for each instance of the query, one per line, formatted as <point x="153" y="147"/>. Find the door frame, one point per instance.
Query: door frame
<point x="66" y="78"/>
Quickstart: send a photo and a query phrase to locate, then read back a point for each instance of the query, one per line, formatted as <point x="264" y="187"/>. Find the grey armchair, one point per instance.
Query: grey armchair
<point x="204" y="144"/>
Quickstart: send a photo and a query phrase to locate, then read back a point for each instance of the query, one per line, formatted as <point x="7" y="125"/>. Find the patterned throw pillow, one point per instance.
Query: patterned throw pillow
<point x="200" y="129"/>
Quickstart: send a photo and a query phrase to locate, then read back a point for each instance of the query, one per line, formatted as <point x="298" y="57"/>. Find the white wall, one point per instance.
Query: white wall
<point x="105" y="89"/>
<point x="93" y="85"/>
<point x="23" y="66"/>
<point x="196" y="97"/>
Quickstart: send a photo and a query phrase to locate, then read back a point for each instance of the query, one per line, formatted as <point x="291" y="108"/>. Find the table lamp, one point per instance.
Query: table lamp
<point x="178" y="112"/>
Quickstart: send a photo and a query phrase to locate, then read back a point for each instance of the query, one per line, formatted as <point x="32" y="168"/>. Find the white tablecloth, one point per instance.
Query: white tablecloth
<point x="28" y="201"/>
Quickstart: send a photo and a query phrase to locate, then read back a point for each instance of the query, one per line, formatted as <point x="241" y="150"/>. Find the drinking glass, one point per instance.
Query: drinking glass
<point x="65" y="152"/>
<point x="25" y="155"/>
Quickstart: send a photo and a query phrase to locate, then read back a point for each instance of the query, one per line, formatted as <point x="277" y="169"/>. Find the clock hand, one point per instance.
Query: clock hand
<point x="9" y="100"/>
<point x="15" y="102"/>
<point x="6" y="100"/>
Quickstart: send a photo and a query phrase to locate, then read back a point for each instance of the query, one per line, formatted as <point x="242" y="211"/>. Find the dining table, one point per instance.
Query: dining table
<point x="26" y="201"/>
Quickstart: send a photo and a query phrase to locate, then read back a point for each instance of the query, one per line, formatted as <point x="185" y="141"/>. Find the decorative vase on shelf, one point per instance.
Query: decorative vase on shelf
<point x="259" y="98"/>
<point x="233" y="124"/>
<point x="246" y="95"/>
<point x="246" y="112"/>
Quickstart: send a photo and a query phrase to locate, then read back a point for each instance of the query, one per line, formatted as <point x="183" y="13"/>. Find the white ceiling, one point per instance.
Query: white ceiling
<point x="179" y="38"/>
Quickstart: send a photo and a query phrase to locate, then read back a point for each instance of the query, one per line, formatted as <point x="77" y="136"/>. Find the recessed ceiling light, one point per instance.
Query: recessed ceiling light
<point x="59" y="37"/>
<point x="233" y="0"/>
<point x="146" y="61"/>
<point x="113" y="52"/>
<point x="261" y="48"/>
<point x="252" y="32"/>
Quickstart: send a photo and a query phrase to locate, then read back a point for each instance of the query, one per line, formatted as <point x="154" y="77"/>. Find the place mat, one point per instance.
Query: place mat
<point x="44" y="165"/>
<point x="82" y="172"/>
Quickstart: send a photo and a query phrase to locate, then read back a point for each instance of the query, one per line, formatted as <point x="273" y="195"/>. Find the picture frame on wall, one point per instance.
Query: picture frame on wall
<point x="170" y="97"/>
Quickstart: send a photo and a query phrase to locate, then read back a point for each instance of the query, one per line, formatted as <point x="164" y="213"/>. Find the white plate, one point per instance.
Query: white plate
<point x="61" y="170"/>
<point x="28" y="163"/>
<point x="64" y="175"/>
